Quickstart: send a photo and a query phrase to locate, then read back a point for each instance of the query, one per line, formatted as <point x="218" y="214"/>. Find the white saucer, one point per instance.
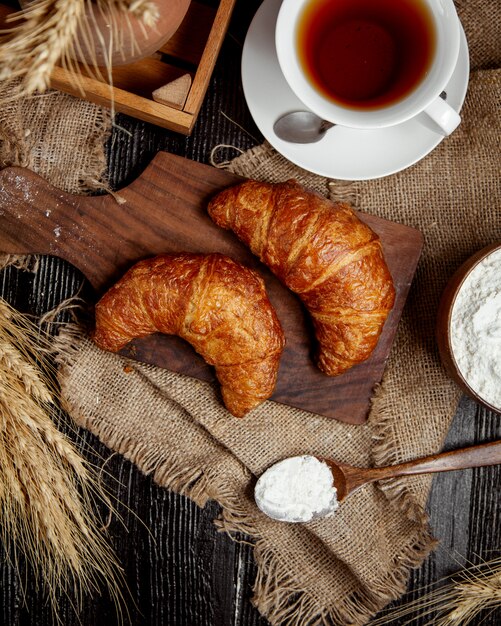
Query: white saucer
<point x="343" y="153"/>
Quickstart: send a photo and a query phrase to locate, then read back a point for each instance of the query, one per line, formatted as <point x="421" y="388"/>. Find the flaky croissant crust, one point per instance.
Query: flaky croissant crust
<point x="324" y="253"/>
<point x="219" y="306"/>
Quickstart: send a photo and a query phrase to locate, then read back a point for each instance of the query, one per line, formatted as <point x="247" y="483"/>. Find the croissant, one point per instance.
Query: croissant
<point x="325" y="254"/>
<point x="219" y="306"/>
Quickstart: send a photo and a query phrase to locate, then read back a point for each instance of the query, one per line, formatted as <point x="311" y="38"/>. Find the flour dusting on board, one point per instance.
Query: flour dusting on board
<point x="25" y="188"/>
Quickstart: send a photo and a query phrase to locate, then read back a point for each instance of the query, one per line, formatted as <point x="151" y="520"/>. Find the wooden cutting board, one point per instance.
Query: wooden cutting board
<point x="164" y="210"/>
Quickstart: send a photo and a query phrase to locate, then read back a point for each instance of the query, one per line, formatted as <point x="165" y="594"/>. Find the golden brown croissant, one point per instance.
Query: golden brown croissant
<point x="322" y="252"/>
<point x="219" y="306"/>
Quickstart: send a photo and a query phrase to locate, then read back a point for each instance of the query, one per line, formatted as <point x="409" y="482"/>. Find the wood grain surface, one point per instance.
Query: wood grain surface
<point x="179" y="569"/>
<point x="165" y="210"/>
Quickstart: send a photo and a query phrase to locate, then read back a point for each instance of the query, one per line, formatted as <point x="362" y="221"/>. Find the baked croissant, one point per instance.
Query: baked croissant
<point x="219" y="306"/>
<point x="324" y="253"/>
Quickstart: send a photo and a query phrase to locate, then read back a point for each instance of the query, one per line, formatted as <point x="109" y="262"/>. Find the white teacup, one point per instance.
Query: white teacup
<point x="424" y="96"/>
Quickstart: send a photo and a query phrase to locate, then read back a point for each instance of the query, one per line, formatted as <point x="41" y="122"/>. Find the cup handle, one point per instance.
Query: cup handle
<point x="446" y="118"/>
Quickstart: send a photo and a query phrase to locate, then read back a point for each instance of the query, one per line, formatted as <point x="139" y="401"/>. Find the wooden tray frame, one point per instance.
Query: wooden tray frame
<point x="142" y="106"/>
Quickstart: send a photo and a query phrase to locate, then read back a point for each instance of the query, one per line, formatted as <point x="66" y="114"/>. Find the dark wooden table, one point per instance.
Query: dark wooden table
<point x="180" y="571"/>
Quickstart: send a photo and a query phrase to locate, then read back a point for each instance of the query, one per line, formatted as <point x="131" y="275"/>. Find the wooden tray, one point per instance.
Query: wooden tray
<point x="165" y="211"/>
<point x="193" y="49"/>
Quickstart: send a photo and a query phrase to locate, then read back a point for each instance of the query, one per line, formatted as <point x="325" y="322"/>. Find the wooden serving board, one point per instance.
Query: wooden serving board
<point x="165" y="211"/>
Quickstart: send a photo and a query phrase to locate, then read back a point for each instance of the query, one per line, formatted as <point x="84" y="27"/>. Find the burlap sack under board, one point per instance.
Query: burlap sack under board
<point x="345" y="568"/>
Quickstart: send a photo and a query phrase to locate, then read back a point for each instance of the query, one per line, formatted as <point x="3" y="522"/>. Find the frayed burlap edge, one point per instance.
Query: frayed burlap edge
<point x="188" y="481"/>
<point x="277" y="594"/>
<point x="20" y="144"/>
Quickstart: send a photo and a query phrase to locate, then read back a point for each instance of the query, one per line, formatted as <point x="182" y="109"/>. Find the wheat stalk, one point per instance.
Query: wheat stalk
<point x="45" y="33"/>
<point x="47" y="490"/>
<point x="145" y="10"/>
<point x="456" y="603"/>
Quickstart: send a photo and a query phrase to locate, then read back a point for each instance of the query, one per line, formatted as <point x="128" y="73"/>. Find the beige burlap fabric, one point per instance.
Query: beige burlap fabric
<point x="58" y="136"/>
<point x="480" y="19"/>
<point x="340" y="570"/>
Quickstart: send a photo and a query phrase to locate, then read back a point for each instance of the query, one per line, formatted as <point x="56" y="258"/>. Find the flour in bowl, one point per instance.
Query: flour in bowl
<point x="476" y="329"/>
<point x="296" y="489"/>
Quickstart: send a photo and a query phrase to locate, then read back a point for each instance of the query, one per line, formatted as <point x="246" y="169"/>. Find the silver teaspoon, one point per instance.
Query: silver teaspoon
<point x="305" y="126"/>
<point x="301" y="127"/>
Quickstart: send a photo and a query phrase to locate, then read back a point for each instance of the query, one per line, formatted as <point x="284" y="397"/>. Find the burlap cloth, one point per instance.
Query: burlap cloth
<point x="343" y="569"/>
<point x="61" y="138"/>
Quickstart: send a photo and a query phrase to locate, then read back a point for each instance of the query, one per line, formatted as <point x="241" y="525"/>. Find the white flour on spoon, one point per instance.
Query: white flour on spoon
<point x="296" y="489"/>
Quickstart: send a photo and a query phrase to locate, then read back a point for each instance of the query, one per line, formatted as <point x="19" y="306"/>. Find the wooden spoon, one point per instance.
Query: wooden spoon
<point x="347" y="478"/>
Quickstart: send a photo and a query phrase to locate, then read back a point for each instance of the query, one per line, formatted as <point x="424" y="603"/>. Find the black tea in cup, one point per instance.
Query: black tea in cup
<point x="366" y="54"/>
